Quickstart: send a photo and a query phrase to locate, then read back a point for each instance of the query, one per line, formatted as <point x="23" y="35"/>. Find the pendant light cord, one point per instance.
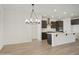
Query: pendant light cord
<point x="33" y="12"/>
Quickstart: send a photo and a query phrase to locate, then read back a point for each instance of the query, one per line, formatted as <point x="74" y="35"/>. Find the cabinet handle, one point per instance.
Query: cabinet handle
<point x="56" y="35"/>
<point x="73" y="33"/>
<point x="66" y="34"/>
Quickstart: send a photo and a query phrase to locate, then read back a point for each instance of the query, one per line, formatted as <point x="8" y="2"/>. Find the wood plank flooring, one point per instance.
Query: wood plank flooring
<point x="40" y="48"/>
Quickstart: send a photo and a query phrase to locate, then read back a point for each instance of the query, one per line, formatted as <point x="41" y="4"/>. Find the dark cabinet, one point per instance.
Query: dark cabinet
<point x="59" y="26"/>
<point x="49" y="40"/>
<point x="53" y="24"/>
<point x="74" y="21"/>
<point x="44" y="24"/>
<point x="59" y="23"/>
<point x="44" y="35"/>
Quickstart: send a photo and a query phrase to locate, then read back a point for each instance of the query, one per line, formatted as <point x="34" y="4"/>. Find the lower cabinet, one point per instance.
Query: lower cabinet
<point x="49" y="40"/>
<point x="44" y="35"/>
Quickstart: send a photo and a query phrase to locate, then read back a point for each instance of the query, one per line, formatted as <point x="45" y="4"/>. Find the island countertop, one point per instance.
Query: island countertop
<point x="55" y="32"/>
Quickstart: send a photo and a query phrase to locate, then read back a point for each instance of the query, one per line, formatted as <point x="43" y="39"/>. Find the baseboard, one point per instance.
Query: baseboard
<point x="11" y="43"/>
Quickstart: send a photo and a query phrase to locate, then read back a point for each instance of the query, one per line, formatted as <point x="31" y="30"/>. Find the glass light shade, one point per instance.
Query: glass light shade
<point x="27" y="21"/>
<point x="37" y="20"/>
<point x="30" y="21"/>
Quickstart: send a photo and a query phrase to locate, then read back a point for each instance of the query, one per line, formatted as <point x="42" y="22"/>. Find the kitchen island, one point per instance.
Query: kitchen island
<point x="59" y="38"/>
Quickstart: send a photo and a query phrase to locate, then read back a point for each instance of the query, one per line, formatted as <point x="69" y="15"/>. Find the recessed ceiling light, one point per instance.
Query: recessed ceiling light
<point x="65" y="12"/>
<point x="59" y="17"/>
<point x="72" y="14"/>
<point x="55" y="10"/>
<point x="52" y="16"/>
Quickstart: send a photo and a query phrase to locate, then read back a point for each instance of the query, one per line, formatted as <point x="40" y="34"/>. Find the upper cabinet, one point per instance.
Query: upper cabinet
<point x="44" y="24"/>
<point x="74" y="21"/>
<point x="53" y="24"/>
<point x="59" y="23"/>
<point x="59" y="26"/>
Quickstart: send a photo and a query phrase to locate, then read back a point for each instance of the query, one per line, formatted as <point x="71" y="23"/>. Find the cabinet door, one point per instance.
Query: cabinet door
<point x="44" y="24"/>
<point x="59" y="26"/>
<point x="60" y="23"/>
<point x="44" y="36"/>
<point x="53" y="24"/>
<point x="49" y="40"/>
<point x="75" y="22"/>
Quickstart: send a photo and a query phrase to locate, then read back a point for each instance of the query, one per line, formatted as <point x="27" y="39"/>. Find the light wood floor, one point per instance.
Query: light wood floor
<point x="41" y="48"/>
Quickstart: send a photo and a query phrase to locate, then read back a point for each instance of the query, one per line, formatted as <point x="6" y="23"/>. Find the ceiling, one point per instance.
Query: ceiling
<point x="58" y="10"/>
<point x="53" y="10"/>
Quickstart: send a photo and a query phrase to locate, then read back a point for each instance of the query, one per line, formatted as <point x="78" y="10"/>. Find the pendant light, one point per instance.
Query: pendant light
<point x="33" y="17"/>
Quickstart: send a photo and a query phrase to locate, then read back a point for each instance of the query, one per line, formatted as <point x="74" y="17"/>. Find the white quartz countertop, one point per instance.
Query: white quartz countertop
<point x="55" y="32"/>
<point x="58" y="33"/>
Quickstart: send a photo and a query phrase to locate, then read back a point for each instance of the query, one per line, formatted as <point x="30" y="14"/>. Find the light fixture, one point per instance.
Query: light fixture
<point x="55" y="10"/>
<point x="52" y="16"/>
<point x="72" y="14"/>
<point x="59" y="17"/>
<point x="33" y="17"/>
<point x="65" y="12"/>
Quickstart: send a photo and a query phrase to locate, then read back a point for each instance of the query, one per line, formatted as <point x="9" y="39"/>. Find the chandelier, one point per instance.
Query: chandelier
<point x="33" y="17"/>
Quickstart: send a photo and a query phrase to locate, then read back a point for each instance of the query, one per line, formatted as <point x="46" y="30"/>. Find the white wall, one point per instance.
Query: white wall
<point x="39" y="31"/>
<point x="1" y="27"/>
<point x="67" y="25"/>
<point x="16" y="31"/>
<point x="36" y="31"/>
